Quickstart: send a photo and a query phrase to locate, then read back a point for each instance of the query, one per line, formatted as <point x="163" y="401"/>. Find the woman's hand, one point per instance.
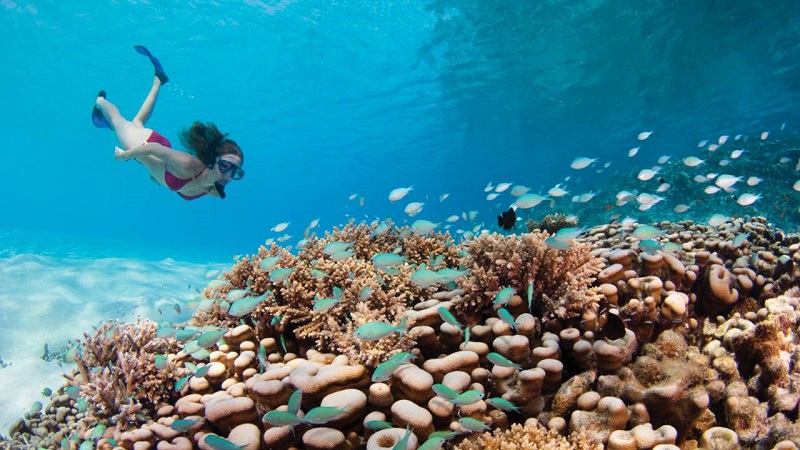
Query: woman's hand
<point x="121" y="154"/>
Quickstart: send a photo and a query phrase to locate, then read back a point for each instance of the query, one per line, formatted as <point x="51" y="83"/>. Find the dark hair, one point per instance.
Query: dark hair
<point x="206" y="142"/>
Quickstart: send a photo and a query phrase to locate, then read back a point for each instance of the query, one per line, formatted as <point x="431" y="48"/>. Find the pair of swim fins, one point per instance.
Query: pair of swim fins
<point x="97" y="116"/>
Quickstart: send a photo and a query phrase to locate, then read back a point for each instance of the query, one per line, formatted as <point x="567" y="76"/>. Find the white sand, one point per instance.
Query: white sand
<point x="48" y="300"/>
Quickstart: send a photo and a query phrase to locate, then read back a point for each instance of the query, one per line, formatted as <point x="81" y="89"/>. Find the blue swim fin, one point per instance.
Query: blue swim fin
<point x="98" y="119"/>
<point x="156" y="64"/>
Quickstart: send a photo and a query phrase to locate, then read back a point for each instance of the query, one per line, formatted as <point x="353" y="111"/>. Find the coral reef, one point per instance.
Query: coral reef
<point x="693" y="344"/>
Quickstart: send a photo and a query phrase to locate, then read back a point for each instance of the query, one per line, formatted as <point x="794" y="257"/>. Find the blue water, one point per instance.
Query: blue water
<point x="329" y="99"/>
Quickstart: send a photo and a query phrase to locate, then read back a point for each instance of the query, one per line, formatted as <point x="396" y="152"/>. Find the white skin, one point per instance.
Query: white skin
<point x="156" y="158"/>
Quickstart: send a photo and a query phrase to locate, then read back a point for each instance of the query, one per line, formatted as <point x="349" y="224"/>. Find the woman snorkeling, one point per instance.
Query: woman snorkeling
<point x="213" y="159"/>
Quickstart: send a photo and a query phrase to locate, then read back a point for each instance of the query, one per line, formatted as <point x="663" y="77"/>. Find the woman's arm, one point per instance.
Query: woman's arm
<point x="173" y="158"/>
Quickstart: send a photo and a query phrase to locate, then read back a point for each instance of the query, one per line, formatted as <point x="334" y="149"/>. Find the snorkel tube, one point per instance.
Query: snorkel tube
<point x="220" y="189"/>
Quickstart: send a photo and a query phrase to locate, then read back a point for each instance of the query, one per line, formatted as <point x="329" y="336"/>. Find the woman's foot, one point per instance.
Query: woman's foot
<point x="98" y="119"/>
<point x="162" y="76"/>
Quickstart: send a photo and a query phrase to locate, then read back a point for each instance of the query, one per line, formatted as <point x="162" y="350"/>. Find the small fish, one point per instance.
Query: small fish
<point x="468" y="397"/>
<point x="448" y="317"/>
<point x="372" y="331"/>
<point x="446" y="275"/>
<point x="500" y="360"/>
<point x="737" y="153"/>
<point x="502" y="187"/>
<point x="507" y="318"/>
<point x="717" y="219"/>
<point x="160" y="362"/>
<point x="646" y="174"/>
<point x="335" y="247"/>
<point x="752" y="181"/>
<point x="262" y="357"/>
<point x="293" y="405"/>
<point x="568" y="234"/>
<point x="492" y="196"/>
<point x="342" y="255"/>
<point x="582" y="162"/>
<point x="322" y="415"/>
<point x="722" y="139"/>
<point x="377" y="425"/>
<point x="473" y="425"/>
<point x="282" y="341"/>
<point x="313" y="224"/>
<point x="324" y="304"/>
<point x="502" y="298"/>
<point x="466" y="336"/>
<point x="425" y="278"/>
<point x="740" y="239"/>
<point x="681" y="208"/>
<point x="748" y="199"/>
<point x="280" y="275"/>
<point x="502" y="404"/>
<point x="518" y="190"/>
<point x="444" y="392"/>
<point x="202" y="371"/>
<point x="702" y="143"/>
<point x="413" y="208"/>
<point x="47" y="392"/>
<point x="210" y="338"/>
<point x="555" y="244"/>
<point x="692" y="161"/>
<point x="352" y="197"/>
<point x="282" y="419"/>
<point x="184" y="425"/>
<point x="530" y="296"/>
<point x="245" y="306"/>
<point x="280" y="227"/>
<point x="646" y="232"/>
<point x="318" y="274"/>
<point x="632" y="152"/>
<point x="644" y="135"/>
<point x="452" y="218"/>
<point x="98" y="432"/>
<point x="402" y="444"/>
<point x="219" y="443"/>
<point x="663" y="159"/>
<point x="446" y="435"/>
<point x="507" y="219"/>
<point x="725" y="181"/>
<point x="399" y="193"/>
<point x="433" y="443"/>
<point x="385" y="370"/>
<point x="443" y="197"/>
<point x="422" y="227"/>
<point x="649" y="246"/>
<point x="181" y="383"/>
<point x="613" y="329"/>
<point x="764" y="135"/>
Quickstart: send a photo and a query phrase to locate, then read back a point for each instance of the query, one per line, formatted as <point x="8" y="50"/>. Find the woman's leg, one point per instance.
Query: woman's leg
<point x="147" y="107"/>
<point x="128" y="133"/>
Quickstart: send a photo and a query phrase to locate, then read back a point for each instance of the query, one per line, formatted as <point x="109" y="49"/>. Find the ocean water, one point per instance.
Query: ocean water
<point x="338" y="99"/>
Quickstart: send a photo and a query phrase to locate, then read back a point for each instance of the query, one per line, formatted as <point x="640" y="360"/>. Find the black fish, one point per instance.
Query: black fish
<point x="507" y="220"/>
<point x="613" y="329"/>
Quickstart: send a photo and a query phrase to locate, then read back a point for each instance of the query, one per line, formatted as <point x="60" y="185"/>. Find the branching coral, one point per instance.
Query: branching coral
<point x="530" y="436"/>
<point x="117" y="372"/>
<point x="562" y="279"/>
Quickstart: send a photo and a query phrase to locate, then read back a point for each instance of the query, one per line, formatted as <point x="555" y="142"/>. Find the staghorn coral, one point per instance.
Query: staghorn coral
<point x="532" y="435"/>
<point x="562" y="279"/>
<point x="116" y="372"/>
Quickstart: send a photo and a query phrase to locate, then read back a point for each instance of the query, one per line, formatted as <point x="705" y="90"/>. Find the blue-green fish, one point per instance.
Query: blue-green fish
<point x="444" y="391"/>
<point x="322" y="415"/>
<point x="502" y="404"/>
<point x="186" y="334"/>
<point x="281" y="274"/>
<point x="385" y="370"/>
<point x="245" y="306"/>
<point x="372" y="331"/>
<point x="318" y="274"/>
<point x="530" y="296"/>
<point x="500" y="360"/>
<point x="181" y="383"/>
<point x="160" y="362"/>
<point x="166" y="331"/>
<point x="425" y="278"/>
<point x="448" y="275"/>
<point x="381" y="229"/>
<point x="365" y="293"/>
<point x="282" y="419"/>
<point x="262" y="357"/>
<point x="384" y="261"/>
<point x="269" y="263"/>
<point x="473" y="425"/>
<point x="73" y="392"/>
<point x="98" y="432"/>
<point x="36" y="408"/>
<point x="184" y="425"/>
<point x="502" y="297"/>
<point x="218" y="443"/>
<point x="335" y="247"/>
<point x="342" y="255"/>
<point x="555" y="244"/>
<point x="402" y="357"/>
<point x="210" y="338"/>
<point x="293" y="405"/>
<point x="275" y="320"/>
<point x="466" y="336"/>
<point x="377" y="425"/>
<point x="236" y="294"/>
<point x="448" y="317"/>
<point x="649" y="246"/>
<point x="47" y="392"/>
<point x="282" y="341"/>
<point x="468" y="397"/>
<point x="402" y="444"/>
<point x="444" y="434"/>
<point x="433" y="443"/>
<point x="421" y="227"/>
<point x="324" y="304"/>
<point x="86" y="445"/>
<point x="568" y="234"/>
<point x="740" y="239"/>
<point x="646" y="232"/>
<point x="507" y="318"/>
<point x="201" y="372"/>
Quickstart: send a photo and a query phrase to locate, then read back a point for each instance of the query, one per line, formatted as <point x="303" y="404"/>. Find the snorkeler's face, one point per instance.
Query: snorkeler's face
<point x="228" y="167"/>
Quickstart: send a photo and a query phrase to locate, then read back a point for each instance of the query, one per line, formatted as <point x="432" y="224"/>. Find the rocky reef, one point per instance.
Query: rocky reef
<point x="378" y="337"/>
